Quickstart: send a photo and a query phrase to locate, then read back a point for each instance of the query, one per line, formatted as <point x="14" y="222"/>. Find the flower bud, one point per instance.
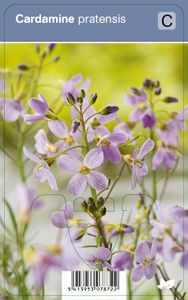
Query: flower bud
<point x="56" y="58"/>
<point x="91" y="208"/>
<point x="82" y="93"/>
<point x="23" y="67"/>
<point x="51" y="47"/>
<point x="37" y="48"/>
<point x="93" y="98"/>
<point x="79" y="235"/>
<point x="136" y="91"/>
<point x="148" y="84"/>
<point x="158" y="91"/>
<point x="103" y="211"/>
<point x="44" y="53"/>
<point x="91" y="201"/>
<point x="80" y="100"/>
<point x="75" y="126"/>
<point x="84" y="206"/>
<point x="170" y="100"/>
<point x="109" y="110"/>
<point x="70" y="99"/>
<point x="100" y="202"/>
<point x="127" y="228"/>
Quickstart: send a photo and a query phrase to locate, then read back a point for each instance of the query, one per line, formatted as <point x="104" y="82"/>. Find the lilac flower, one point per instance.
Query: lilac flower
<point x="74" y="86"/>
<point x="68" y="138"/>
<point x="26" y="198"/>
<point x="137" y="98"/>
<point x="145" y="259"/>
<point x="124" y="128"/>
<point x="121" y="261"/>
<point x="168" y="134"/>
<point x="179" y="119"/>
<point x="85" y="172"/>
<point x="44" y="146"/>
<point x="42" y="170"/>
<point x="169" y="131"/>
<point x="41" y="108"/>
<point x="109" y="145"/>
<point x="62" y="217"/>
<point x="163" y="157"/>
<point x="143" y="111"/>
<point x="117" y="229"/>
<point x="166" y="231"/>
<point x="99" y="257"/>
<point x="139" y="168"/>
<point x="53" y="257"/>
<point x="149" y="119"/>
<point x="11" y="110"/>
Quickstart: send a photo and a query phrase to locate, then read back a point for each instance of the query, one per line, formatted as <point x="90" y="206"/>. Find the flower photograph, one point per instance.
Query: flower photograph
<point x="94" y="166"/>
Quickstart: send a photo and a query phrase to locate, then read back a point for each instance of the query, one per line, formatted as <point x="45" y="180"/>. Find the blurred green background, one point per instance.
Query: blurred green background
<point x="113" y="68"/>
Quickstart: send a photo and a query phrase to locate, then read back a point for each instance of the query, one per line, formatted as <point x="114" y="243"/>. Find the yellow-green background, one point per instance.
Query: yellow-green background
<point x="113" y="68"/>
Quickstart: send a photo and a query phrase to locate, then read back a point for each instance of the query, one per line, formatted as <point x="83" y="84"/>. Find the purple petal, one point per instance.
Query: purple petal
<point x="149" y="120"/>
<point x="150" y="270"/>
<point x="108" y="118"/>
<point x="168" y="251"/>
<point x="111" y="153"/>
<point x="44" y="174"/>
<point x="176" y="212"/>
<point x="121" y="261"/>
<point x="94" y="158"/>
<point x="97" y="180"/>
<point x="51" y="180"/>
<point x="137" y="273"/>
<point x="136" y="115"/>
<point x="59" y="219"/>
<point x="39" y="105"/>
<point x="159" y="212"/>
<point x="68" y="208"/>
<point x="77" y="185"/>
<point x="102" y="254"/>
<point x="133" y="177"/>
<point x="41" y="142"/>
<point x="69" y="163"/>
<point x="117" y="138"/>
<point x="33" y="118"/>
<point x="146" y="148"/>
<point x="184" y="260"/>
<point x="142" y="251"/>
<point x="31" y="156"/>
<point x="141" y="171"/>
<point x="153" y="248"/>
<point x="11" y="110"/>
<point x="58" y="128"/>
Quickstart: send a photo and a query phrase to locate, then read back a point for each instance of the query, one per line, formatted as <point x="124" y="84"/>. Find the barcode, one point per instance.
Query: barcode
<point x="95" y="279"/>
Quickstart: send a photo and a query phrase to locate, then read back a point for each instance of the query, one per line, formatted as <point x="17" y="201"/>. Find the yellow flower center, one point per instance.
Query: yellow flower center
<point x="105" y="143"/>
<point x="52" y="148"/>
<point x="142" y="106"/>
<point x="130" y="160"/>
<point x="30" y="255"/>
<point x="69" y="140"/>
<point x="84" y="170"/>
<point x="54" y="249"/>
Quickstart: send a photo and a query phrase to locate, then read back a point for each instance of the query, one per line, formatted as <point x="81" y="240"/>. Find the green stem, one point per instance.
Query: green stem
<point x="129" y="286"/>
<point x="20" y="155"/>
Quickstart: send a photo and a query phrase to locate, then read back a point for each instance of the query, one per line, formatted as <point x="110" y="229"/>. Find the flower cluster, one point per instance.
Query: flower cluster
<point x="79" y="154"/>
